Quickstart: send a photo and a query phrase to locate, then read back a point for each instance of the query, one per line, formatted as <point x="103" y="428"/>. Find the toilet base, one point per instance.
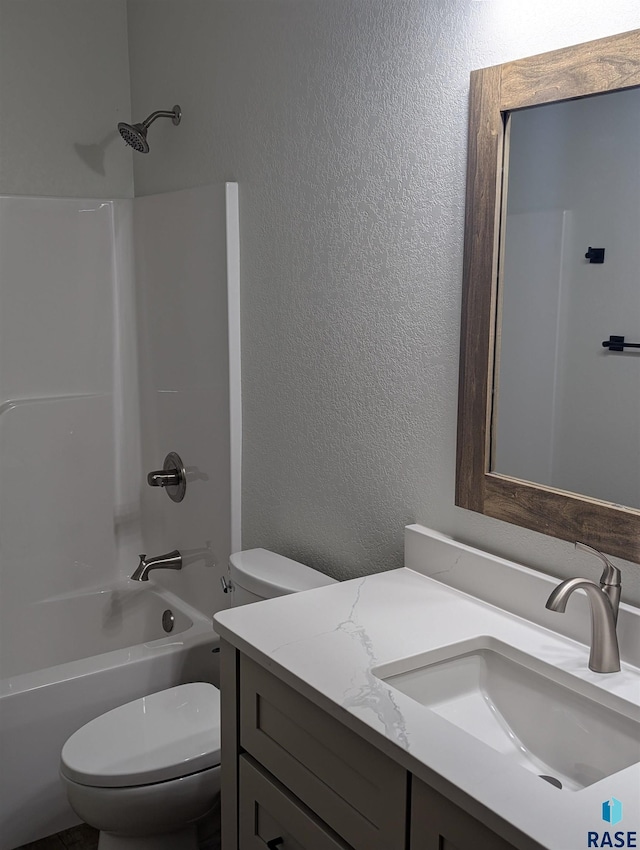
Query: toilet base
<point x="162" y="816"/>
<point x="185" y="839"/>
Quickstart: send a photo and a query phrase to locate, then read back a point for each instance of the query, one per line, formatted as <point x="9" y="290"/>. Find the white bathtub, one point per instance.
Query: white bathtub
<point x="66" y="660"/>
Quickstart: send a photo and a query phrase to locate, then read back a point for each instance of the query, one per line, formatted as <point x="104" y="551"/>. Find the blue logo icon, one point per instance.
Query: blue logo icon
<point x="612" y="811"/>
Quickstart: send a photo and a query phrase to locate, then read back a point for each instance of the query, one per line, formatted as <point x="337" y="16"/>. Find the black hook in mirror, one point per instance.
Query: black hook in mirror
<point x="617" y="343"/>
<point x="595" y="255"/>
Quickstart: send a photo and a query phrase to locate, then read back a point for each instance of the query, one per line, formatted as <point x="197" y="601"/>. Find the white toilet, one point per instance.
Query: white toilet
<point x="146" y="773"/>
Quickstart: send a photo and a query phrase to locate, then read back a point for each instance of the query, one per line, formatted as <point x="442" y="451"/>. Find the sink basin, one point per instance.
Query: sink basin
<point x="566" y="730"/>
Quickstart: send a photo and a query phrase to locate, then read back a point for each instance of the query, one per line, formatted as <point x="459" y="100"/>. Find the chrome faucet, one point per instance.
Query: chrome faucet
<point x="604" y="600"/>
<point x="170" y="561"/>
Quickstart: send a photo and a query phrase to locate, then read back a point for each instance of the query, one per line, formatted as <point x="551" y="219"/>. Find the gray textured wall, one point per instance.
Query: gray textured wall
<point x="344" y="122"/>
<point x="64" y="85"/>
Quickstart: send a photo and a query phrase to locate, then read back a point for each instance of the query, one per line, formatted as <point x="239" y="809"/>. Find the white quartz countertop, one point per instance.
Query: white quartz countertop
<point x="326" y="642"/>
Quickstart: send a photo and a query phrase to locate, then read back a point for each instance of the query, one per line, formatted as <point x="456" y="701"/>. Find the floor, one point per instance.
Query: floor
<point x="86" y="838"/>
<point x="79" y="838"/>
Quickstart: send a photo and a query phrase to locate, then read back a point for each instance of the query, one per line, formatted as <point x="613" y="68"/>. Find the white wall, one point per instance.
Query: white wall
<point x="344" y="122"/>
<point x="64" y="85"/>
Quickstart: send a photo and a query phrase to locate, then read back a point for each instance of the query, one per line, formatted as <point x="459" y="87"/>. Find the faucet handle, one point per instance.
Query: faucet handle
<point x="164" y="478"/>
<point x="172" y="477"/>
<point x="611" y="575"/>
<point x="610" y="580"/>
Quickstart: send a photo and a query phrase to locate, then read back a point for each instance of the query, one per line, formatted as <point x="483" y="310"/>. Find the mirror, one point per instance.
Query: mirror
<point x="566" y="410"/>
<point x="549" y="419"/>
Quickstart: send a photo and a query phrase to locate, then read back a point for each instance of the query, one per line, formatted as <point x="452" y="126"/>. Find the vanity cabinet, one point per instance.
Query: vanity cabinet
<point x="296" y="778"/>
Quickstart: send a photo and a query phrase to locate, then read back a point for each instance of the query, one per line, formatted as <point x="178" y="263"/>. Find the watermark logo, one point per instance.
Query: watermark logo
<point x="612" y="811"/>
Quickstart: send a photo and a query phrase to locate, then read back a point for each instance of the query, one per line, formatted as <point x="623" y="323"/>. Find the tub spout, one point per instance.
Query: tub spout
<point x="170" y="561"/>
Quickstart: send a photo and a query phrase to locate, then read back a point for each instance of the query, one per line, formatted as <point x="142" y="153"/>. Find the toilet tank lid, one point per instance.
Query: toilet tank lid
<point x="162" y="736"/>
<point x="268" y="574"/>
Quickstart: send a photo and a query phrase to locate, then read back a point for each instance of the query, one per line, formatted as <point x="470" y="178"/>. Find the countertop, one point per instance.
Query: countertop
<point x="326" y="642"/>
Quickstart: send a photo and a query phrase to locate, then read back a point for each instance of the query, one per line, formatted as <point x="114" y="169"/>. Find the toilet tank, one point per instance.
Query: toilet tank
<point x="260" y="574"/>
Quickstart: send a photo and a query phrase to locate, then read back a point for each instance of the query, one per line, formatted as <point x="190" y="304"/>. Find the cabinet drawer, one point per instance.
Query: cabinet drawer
<point x="353" y="787"/>
<point x="438" y="824"/>
<point x="269" y="815"/>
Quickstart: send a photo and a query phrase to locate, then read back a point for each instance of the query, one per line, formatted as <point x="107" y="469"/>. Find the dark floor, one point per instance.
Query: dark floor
<point x="86" y="837"/>
<point x="79" y="838"/>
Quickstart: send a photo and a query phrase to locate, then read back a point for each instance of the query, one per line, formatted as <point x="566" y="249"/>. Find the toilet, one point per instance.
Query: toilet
<point x="147" y="773"/>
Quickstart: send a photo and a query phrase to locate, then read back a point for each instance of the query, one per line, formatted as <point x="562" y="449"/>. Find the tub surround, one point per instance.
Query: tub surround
<point x="186" y="281"/>
<point x="91" y="392"/>
<point x="326" y="644"/>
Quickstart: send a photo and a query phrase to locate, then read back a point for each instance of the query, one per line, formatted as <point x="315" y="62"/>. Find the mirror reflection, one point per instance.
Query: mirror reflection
<point x="566" y="409"/>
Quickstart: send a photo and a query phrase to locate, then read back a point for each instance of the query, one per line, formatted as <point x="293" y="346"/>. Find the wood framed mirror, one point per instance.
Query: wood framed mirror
<point x="607" y="65"/>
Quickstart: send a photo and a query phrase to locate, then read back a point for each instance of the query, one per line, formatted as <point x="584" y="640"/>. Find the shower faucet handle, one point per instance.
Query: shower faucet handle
<point x="160" y="478"/>
<point x="172" y="477"/>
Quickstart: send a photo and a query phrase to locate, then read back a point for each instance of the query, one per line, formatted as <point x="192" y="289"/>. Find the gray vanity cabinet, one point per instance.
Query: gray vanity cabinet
<point x="296" y="778"/>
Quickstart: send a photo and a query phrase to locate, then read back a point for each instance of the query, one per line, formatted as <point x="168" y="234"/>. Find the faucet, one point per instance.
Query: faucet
<point x="170" y="561"/>
<point x="604" y="600"/>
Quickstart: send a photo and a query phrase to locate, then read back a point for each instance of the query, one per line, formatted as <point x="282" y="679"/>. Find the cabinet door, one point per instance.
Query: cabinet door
<point x="357" y="790"/>
<point x="271" y="818"/>
<point x="438" y="824"/>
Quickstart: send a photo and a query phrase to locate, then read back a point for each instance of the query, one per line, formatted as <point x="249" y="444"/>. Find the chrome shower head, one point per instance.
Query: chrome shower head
<point x="135" y="135"/>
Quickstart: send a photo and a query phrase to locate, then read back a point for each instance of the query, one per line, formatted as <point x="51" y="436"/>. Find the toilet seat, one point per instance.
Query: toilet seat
<point x="167" y="735"/>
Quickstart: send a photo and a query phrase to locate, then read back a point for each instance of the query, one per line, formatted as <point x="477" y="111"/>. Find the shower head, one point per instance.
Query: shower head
<point x="135" y="135"/>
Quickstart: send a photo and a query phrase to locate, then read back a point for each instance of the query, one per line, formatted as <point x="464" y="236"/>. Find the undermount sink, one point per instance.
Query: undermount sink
<point x="566" y="730"/>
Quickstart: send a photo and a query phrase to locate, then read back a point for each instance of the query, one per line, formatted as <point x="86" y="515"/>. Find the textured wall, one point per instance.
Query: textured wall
<point x="64" y="85"/>
<point x="344" y="122"/>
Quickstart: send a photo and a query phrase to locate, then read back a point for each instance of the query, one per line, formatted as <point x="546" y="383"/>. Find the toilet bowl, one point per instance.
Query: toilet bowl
<point x="147" y="773"/>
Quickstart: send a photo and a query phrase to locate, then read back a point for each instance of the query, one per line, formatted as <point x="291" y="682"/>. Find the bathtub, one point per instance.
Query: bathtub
<point x="64" y="661"/>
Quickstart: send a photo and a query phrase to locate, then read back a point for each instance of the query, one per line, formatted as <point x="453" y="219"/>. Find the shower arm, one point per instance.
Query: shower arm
<point x="162" y="113"/>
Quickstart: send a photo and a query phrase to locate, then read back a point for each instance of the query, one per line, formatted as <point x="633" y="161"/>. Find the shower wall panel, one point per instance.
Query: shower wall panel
<point x="182" y="268"/>
<point x="67" y="447"/>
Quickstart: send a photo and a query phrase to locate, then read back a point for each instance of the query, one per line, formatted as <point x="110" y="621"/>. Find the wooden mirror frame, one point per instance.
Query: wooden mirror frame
<point x="606" y="65"/>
